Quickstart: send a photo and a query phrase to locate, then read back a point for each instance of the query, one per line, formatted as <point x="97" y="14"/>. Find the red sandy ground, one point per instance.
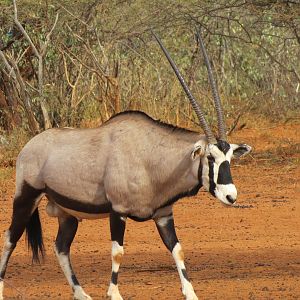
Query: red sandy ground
<point x="252" y="252"/>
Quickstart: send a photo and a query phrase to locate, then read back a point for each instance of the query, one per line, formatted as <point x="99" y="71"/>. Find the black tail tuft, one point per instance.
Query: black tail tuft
<point x="35" y="237"/>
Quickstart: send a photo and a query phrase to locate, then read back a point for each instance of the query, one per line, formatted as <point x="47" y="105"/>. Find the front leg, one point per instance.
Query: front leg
<point x="166" y="229"/>
<point x="117" y="229"/>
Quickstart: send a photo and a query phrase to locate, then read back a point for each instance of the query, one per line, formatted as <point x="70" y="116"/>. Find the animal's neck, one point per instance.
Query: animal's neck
<point x="176" y="175"/>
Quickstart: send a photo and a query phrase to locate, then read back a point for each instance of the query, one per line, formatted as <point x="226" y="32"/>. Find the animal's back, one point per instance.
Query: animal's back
<point x="76" y="156"/>
<point x="56" y="155"/>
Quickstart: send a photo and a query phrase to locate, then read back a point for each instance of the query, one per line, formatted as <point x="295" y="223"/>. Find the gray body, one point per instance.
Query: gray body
<point x="132" y="162"/>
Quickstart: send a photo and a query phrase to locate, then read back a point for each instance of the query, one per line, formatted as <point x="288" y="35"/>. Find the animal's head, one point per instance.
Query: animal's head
<point x="215" y="162"/>
<point x="216" y="154"/>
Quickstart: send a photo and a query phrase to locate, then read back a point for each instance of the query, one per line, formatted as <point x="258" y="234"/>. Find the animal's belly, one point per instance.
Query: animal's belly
<point x="81" y="215"/>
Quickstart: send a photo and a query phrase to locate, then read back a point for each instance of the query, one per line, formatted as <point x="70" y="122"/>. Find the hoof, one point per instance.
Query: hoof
<point x="191" y="296"/>
<point x="79" y="294"/>
<point x="116" y="297"/>
<point x="189" y="293"/>
<point x="82" y="297"/>
<point x="113" y="292"/>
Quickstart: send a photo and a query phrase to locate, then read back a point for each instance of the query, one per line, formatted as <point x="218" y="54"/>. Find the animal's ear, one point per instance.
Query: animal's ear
<point x="240" y="150"/>
<point x="199" y="150"/>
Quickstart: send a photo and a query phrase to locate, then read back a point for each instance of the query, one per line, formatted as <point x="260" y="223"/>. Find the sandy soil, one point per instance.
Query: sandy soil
<point x="251" y="252"/>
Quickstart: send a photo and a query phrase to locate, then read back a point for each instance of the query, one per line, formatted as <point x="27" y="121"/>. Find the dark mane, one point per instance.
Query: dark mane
<point x="159" y="122"/>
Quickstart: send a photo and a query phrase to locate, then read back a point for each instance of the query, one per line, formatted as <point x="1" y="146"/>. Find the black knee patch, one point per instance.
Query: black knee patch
<point x="185" y="275"/>
<point x="74" y="280"/>
<point x="114" y="277"/>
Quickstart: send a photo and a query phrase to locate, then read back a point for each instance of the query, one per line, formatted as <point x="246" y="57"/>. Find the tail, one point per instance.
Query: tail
<point x="34" y="236"/>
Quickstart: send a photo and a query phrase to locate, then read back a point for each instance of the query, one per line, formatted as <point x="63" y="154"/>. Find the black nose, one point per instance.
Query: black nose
<point x="230" y="199"/>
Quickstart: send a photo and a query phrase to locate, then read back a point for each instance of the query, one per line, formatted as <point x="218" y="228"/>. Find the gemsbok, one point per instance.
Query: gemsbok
<point x="132" y="166"/>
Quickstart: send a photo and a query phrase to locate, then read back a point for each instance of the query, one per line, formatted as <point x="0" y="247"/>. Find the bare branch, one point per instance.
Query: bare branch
<point x="47" y="122"/>
<point x="76" y="17"/>
<point x="44" y="47"/>
<point x="9" y="68"/>
<point x="234" y="124"/>
<point x="21" y="28"/>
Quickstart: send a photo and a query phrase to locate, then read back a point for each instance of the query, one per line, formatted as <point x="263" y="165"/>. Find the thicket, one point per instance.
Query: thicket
<point x="90" y="59"/>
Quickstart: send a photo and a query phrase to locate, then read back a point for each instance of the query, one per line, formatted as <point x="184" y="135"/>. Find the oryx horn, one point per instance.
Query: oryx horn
<point x="210" y="136"/>
<point x="215" y="93"/>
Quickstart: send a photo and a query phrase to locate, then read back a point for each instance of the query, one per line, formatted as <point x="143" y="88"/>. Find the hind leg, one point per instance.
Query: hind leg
<point x="66" y="233"/>
<point x="117" y="229"/>
<point x="6" y="253"/>
<point x="24" y="207"/>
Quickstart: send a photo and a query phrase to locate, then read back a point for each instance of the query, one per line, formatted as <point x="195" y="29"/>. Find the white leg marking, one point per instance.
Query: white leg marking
<point x="5" y="254"/>
<point x="117" y="253"/>
<point x="1" y="290"/>
<point x="187" y="288"/>
<point x="6" y="249"/>
<point x="64" y="263"/>
<point x="113" y="292"/>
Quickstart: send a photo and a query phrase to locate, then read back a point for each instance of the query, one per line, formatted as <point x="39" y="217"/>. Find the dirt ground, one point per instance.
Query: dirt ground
<point x="251" y="252"/>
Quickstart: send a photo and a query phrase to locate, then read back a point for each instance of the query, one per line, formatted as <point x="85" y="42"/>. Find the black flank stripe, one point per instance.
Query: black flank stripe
<point x="138" y="219"/>
<point x="77" y="205"/>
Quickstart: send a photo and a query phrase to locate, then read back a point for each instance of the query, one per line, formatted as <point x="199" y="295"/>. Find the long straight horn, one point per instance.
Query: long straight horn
<point x="215" y="93"/>
<point x="210" y="137"/>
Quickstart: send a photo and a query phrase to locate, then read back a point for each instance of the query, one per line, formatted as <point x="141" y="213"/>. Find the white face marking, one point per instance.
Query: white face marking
<point x="221" y="191"/>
